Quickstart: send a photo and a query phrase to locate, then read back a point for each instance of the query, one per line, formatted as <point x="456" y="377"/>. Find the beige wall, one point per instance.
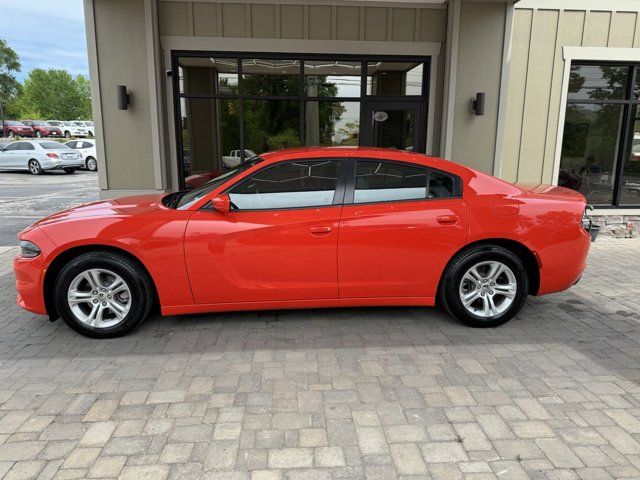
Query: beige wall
<point x="479" y="67"/>
<point x="122" y="60"/>
<point x="536" y="74"/>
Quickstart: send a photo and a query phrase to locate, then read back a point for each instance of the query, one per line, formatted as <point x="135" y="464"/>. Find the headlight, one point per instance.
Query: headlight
<point x="29" y="249"/>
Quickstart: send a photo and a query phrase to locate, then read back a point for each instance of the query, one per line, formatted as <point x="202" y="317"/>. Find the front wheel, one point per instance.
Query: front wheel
<point x="35" y="168"/>
<point x="485" y="286"/>
<point x="67" y="134"/>
<point x="38" y="134"/>
<point x="103" y="294"/>
<point x="69" y="170"/>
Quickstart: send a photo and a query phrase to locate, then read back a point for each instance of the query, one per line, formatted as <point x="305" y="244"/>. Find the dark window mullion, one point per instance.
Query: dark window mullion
<point x="624" y="141"/>
<point x="303" y="107"/>
<point x="241" y="110"/>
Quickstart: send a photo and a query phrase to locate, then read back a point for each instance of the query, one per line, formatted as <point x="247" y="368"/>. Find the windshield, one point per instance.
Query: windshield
<point x="78" y="124"/>
<point x="54" y="146"/>
<point x="186" y="199"/>
<point x="12" y="123"/>
<point x="39" y="123"/>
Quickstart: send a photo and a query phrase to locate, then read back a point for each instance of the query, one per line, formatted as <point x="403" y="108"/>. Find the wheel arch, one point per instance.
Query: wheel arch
<point x="67" y="255"/>
<point x="523" y="252"/>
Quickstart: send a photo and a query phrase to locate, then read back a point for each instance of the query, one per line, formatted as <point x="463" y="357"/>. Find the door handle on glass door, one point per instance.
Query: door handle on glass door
<point x="320" y="230"/>
<point x="447" y="219"/>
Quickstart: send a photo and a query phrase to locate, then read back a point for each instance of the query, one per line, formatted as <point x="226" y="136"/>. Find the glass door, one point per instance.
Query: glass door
<point x="398" y="125"/>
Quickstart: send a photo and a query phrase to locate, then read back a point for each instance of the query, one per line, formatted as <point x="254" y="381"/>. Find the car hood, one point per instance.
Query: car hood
<point x="119" y="207"/>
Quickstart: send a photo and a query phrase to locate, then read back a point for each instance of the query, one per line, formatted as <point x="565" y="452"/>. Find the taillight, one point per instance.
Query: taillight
<point x="52" y="155"/>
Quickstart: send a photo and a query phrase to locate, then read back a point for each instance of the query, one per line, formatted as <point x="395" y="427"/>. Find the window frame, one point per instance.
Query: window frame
<point x="629" y="102"/>
<point x="350" y="188"/>
<point x="338" y="196"/>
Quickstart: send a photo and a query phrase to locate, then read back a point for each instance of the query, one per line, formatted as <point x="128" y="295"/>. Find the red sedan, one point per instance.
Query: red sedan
<point x="317" y="227"/>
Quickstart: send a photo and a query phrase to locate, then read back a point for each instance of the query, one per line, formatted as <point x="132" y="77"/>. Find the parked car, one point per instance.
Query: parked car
<point x="69" y="129"/>
<point x="233" y="159"/>
<point x="90" y="128"/>
<point x="43" y="129"/>
<point x="86" y="148"/>
<point x="39" y="156"/>
<point x="300" y="228"/>
<point x="13" y="128"/>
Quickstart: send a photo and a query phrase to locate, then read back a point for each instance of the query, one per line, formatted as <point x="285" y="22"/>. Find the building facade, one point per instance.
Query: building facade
<point x="558" y="84"/>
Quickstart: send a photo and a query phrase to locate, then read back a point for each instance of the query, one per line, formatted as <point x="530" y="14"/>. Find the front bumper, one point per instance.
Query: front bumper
<point x="30" y="273"/>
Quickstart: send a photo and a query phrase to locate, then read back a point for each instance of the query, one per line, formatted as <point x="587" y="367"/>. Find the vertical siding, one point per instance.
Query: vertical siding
<point x="536" y="75"/>
<point x="302" y="21"/>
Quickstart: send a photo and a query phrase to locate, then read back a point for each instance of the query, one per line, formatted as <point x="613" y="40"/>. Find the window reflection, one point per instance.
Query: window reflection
<point x="208" y="75"/>
<point x="271" y="124"/>
<point x="327" y="78"/>
<point x="590" y="150"/>
<point x="598" y="82"/>
<point x="266" y="77"/>
<point x="330" y="123"/>
<point x="394" y="78"/>
<point x="630" y="190"/>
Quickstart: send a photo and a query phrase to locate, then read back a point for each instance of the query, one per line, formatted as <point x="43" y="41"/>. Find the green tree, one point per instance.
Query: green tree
<point x="9" y="66"/>
<point x="55" y="94"/>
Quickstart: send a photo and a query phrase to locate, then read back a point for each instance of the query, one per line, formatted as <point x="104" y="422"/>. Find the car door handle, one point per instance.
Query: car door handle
<point x="447" y="219"/>
<point x="319" y="231"/>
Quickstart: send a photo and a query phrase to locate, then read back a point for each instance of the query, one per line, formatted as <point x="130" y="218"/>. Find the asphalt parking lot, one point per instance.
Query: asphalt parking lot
<point x="25" y="198"/>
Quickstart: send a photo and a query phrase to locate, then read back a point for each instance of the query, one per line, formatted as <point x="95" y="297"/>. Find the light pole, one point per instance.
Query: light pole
<point x="2" y="118"/>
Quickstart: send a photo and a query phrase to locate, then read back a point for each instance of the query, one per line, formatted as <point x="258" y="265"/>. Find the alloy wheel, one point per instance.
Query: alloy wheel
<point x="99" y="298"/>
<point x="488" y="289"/>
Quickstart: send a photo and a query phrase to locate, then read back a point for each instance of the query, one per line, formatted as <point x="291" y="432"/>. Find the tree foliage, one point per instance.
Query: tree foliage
<point x="9" y="66"/>
<point x="56" y="94"/>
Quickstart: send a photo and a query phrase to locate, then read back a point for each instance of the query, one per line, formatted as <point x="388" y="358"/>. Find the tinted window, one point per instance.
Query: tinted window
<point x="291" y="185"/>
<point x="385" y="181"/>
<point x="26" y="146"/>
<point x="54" y="146"/>
<point x="12" y="147"/>
<point x="440" y="185"/>
<point x="598" y="82"/>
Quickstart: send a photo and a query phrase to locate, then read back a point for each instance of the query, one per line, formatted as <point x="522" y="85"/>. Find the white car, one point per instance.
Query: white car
<point x="69" y="129"/>
<point x="86" y="148"/>
<point x="233" y="159"/>
<point x="38" y="156"/>
<point x="90" y="128"/>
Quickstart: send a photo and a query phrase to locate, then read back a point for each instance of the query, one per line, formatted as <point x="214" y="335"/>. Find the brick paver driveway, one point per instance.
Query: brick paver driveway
<point x="361" y="393"/>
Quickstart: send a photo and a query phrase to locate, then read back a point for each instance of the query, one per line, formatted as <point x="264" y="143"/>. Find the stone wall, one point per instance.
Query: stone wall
<point x="619" y="226"/>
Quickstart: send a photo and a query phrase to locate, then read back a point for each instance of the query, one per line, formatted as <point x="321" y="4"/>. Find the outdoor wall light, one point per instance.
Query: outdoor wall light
<point x="124" y="99"/>
<point x="477" y="105"/>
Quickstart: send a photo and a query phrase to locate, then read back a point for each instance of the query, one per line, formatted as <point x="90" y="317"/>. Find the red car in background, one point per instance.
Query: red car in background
<point x="308" y="228"/>
<point x="43" y="129"/>
<point x="13" y="128"/>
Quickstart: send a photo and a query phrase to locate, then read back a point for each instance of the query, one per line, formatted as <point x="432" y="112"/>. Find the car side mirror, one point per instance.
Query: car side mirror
<point x="222" y="203"/>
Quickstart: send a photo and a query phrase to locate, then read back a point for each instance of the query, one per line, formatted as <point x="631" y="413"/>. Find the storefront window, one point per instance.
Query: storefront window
<point x="233" y="106"/>
<point x="601" y="133"/>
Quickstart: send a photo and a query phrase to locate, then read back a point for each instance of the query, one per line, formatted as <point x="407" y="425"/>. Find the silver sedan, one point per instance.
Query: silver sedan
<point x="39" y="156"/>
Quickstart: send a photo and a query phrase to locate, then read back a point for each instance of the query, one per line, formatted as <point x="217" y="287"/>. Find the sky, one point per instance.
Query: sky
<point x="45" y="34"/>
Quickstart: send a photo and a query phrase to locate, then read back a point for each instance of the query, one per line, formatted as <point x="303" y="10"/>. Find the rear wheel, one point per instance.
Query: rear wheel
<point x="67" y="134"/>
<point x="35" y="168"/>
<point x="485" y="286"/>
<point x="69" y="170"/>
<point x="91" y="164"/>
<point x="102" y="294"/>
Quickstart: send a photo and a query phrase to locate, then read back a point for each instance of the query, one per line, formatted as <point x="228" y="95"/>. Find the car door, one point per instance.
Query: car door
<point x="279" y="241"/>
<point x="400" y="225"/>
<point x="11" y="155"/>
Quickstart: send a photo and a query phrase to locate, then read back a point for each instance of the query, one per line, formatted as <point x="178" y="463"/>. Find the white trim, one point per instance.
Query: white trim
<point x="624" y="212"/>
<point x="504" y="89"/>
<point x="355" y="47"/>
<point x="450" y="73"/>
<point x="596" y="5"/>
<point x="431" y="105"/>
<point x="584" y="53"/>
<point x="96" y="99"/>
<point x="155" y="101"/>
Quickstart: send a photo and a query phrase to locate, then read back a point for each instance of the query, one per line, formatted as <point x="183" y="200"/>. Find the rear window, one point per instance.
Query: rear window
<point x="54" y="146"/>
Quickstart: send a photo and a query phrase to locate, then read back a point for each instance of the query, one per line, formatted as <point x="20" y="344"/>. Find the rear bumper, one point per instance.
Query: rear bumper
<point x="563" y="257"/>
<point x="79" y="163"/>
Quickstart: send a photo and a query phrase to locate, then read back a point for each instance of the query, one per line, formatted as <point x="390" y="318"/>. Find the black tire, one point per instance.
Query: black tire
<point x="67" y="134"/>
<point x="35" y="168"/>
<point x="91" y="164"/>
<point x="453" y="277"/>
<point x="69" y="170"/>
<point x="137" y="280"/>
<point x="11" y="134"/>
<point x="38" y="134"/>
